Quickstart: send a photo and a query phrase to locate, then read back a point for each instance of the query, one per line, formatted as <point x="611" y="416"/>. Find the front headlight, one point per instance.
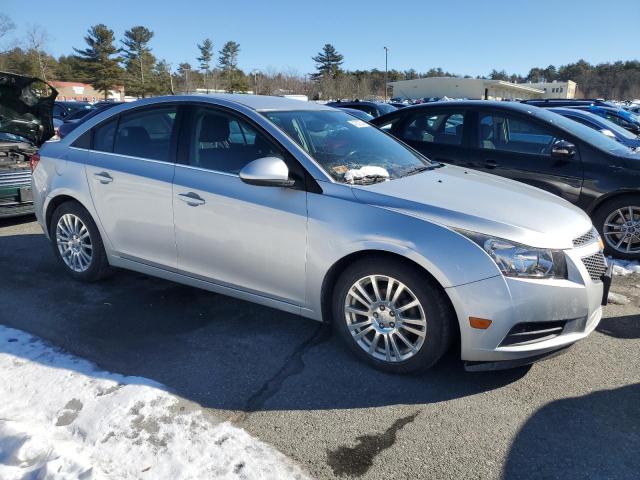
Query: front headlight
<point x="516" y="260"/>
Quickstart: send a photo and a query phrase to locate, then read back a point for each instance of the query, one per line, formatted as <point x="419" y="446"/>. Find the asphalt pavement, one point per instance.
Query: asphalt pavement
<point x="290" y="382"/>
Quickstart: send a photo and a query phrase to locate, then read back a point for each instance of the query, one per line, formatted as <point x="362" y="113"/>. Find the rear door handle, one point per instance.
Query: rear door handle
<point x="104" y="177"/>
<point x="490" y="164"/>
<point x="191" y="198"/>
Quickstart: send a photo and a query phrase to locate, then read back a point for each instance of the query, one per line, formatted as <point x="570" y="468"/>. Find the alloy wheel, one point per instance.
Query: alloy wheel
<point x="385" y="318"/>
<point x="74" y="242"/>
<point x="622" y="229"/>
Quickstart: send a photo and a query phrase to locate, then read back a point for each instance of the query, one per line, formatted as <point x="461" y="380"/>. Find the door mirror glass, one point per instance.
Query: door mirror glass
<point x="268" y="172"/>
<point x="563" y="149"/>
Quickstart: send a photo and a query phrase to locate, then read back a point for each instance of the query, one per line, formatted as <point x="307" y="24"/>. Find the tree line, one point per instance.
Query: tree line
<point x="106" y="62"/>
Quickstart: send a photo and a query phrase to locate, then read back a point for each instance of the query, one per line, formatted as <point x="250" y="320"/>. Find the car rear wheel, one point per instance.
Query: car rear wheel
<point x="618" y="222"/>
<point x="391" y="315"/>
<point x="77" y="244"/>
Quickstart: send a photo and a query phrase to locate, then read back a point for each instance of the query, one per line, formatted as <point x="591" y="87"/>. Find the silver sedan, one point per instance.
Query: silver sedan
<point x="307" y="209"/>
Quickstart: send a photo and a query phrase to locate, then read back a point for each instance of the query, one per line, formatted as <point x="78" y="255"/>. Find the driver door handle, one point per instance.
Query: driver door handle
<point x="191" y="198"/>
<point x="104" y="177"/>
<point x="490" y="164"/>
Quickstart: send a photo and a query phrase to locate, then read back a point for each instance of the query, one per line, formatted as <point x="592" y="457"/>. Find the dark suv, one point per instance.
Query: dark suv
<point x="374" y="109"/>
<point x="535" y="146"/>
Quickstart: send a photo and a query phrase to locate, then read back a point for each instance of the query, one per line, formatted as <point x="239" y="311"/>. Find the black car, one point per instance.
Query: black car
<point x="72" y="121"/>
<point x="62" y="109"/>
<point x="374" y="109"/>
<point x="362" y="115"/>
<point x="535" y="146"/>
<point x="567" y="102"/>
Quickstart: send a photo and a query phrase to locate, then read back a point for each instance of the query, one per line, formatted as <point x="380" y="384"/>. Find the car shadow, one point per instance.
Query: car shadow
<point x="627" y="327"/>
<point x="218" y="351"/>
<point x="593" y="436"/>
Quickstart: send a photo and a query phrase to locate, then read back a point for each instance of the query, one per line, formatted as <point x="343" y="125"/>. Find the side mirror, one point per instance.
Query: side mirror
<point x="267" y="172"/>
<point x="563" y="150"/>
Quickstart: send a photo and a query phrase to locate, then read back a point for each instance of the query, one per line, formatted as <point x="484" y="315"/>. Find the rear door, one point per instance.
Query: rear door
<point x="130" y="172"/>
<point x="439" y="135"/>
<point x="516" y="147"/>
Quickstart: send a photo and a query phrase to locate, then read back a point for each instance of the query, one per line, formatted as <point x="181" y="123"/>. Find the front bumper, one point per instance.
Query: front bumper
<point x="566" y="310"/>
<point x="16" y="201"/>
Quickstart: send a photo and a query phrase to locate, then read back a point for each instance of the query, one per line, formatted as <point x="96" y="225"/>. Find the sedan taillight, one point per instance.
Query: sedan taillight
<point x="35" y="158"/>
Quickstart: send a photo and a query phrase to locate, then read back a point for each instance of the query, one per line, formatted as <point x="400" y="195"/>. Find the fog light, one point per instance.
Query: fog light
<point x="480" y="323"/>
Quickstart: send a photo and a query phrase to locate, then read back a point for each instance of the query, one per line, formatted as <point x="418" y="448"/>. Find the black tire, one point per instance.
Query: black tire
<point x="99" y="265"/>
<point x="436" y="306"/>
<point x="601" y="214"/>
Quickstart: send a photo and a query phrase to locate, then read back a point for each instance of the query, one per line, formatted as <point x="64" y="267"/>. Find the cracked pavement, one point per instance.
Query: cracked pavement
<point x="291" y="383"/>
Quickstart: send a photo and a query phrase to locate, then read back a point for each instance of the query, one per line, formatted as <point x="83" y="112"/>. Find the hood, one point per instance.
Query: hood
<point x="483" y="203"/>
<point x="26" y="107"/>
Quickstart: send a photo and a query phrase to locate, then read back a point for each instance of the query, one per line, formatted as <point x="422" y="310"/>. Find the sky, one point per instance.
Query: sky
<point x="466" y="37"/>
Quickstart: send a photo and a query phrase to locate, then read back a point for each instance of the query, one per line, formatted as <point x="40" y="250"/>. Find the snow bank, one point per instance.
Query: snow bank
<point x="624" y="267"/>
<point x="61" y="418"/>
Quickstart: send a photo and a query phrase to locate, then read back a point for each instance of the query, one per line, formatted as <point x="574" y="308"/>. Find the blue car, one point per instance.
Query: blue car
<point x="601" y="124"/>
<point x="619" y="116"/>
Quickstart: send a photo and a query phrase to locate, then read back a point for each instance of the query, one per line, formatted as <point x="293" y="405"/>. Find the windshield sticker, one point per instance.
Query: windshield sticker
<point x="358" y="123"/>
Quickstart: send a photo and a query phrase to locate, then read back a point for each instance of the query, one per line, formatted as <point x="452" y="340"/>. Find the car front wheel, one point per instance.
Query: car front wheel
<point x="391" y="315"/>
<point x="618" y="222"/>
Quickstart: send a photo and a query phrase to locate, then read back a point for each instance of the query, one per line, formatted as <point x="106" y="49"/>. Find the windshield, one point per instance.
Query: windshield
<point x="587" y="134"/>
<point x="347" y="148"/>
<point x="386" y="108"/>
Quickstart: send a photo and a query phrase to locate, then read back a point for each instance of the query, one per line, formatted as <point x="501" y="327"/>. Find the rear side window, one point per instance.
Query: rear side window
<point x="146" y="134"/>
<point x="444" y="128"/>
<point x="104" y="135"/>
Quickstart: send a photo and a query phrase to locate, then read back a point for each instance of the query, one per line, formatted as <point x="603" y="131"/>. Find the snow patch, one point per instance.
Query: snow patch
<point x="62" y="418"/>
<point x="624" y="267"/>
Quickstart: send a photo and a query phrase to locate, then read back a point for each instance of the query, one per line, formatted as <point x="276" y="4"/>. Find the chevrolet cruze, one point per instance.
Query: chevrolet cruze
<point x="304" y="208"/>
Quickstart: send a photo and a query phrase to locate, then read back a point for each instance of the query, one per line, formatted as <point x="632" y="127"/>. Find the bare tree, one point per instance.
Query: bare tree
<point x="37" y="38"/>
<point x="6" y="26"/>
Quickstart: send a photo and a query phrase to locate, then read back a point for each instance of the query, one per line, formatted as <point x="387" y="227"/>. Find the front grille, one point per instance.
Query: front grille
<point x="596" y="265"/>
<point x="16" y="178"/>
<point x="531" y="332"/>
<point x="588" y="237"/>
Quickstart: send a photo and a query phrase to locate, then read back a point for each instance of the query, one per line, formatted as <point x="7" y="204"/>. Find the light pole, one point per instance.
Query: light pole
<point x="255" y="81"/>
<point x="386" y="66"/>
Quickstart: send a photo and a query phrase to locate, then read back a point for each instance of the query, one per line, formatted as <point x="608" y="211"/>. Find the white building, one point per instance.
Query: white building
<point x="556" y="89"/>
<point x="480" y="89"/>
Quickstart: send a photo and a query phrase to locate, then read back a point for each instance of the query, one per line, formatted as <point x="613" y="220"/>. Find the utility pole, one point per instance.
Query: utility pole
<point x="386" y="68"/>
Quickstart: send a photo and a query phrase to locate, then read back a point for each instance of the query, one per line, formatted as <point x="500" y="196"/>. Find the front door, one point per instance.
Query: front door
<point x="130" y="172"/>
<point x="249" y="237"/>
<point x="516" y="147"/>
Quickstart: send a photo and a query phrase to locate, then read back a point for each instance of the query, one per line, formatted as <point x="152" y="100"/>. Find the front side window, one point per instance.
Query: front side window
<point x="503" y="132"/>
<point x="146" y="133"/>
<point x="443" y="128"/>
<point x="223" y="143"/>
<point x="348" y="148"/>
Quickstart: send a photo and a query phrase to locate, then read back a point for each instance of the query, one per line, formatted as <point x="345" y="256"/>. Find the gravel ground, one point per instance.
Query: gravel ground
<point x="289" y="382"/>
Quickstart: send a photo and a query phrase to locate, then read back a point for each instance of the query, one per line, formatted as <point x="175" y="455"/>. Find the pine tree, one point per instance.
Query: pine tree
<point x="100" y="63"/>
<point x="139" y="61"/>
<point x="328" y="62"/>
<point x="232" y="76"/>
<point x="206" y="55"/>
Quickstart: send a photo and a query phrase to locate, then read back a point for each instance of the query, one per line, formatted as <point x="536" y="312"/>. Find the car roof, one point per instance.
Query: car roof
<point x="259" y="103"/>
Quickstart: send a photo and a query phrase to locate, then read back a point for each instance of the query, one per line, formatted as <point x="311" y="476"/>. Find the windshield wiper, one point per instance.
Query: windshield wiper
<point x="421" y="168"/>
